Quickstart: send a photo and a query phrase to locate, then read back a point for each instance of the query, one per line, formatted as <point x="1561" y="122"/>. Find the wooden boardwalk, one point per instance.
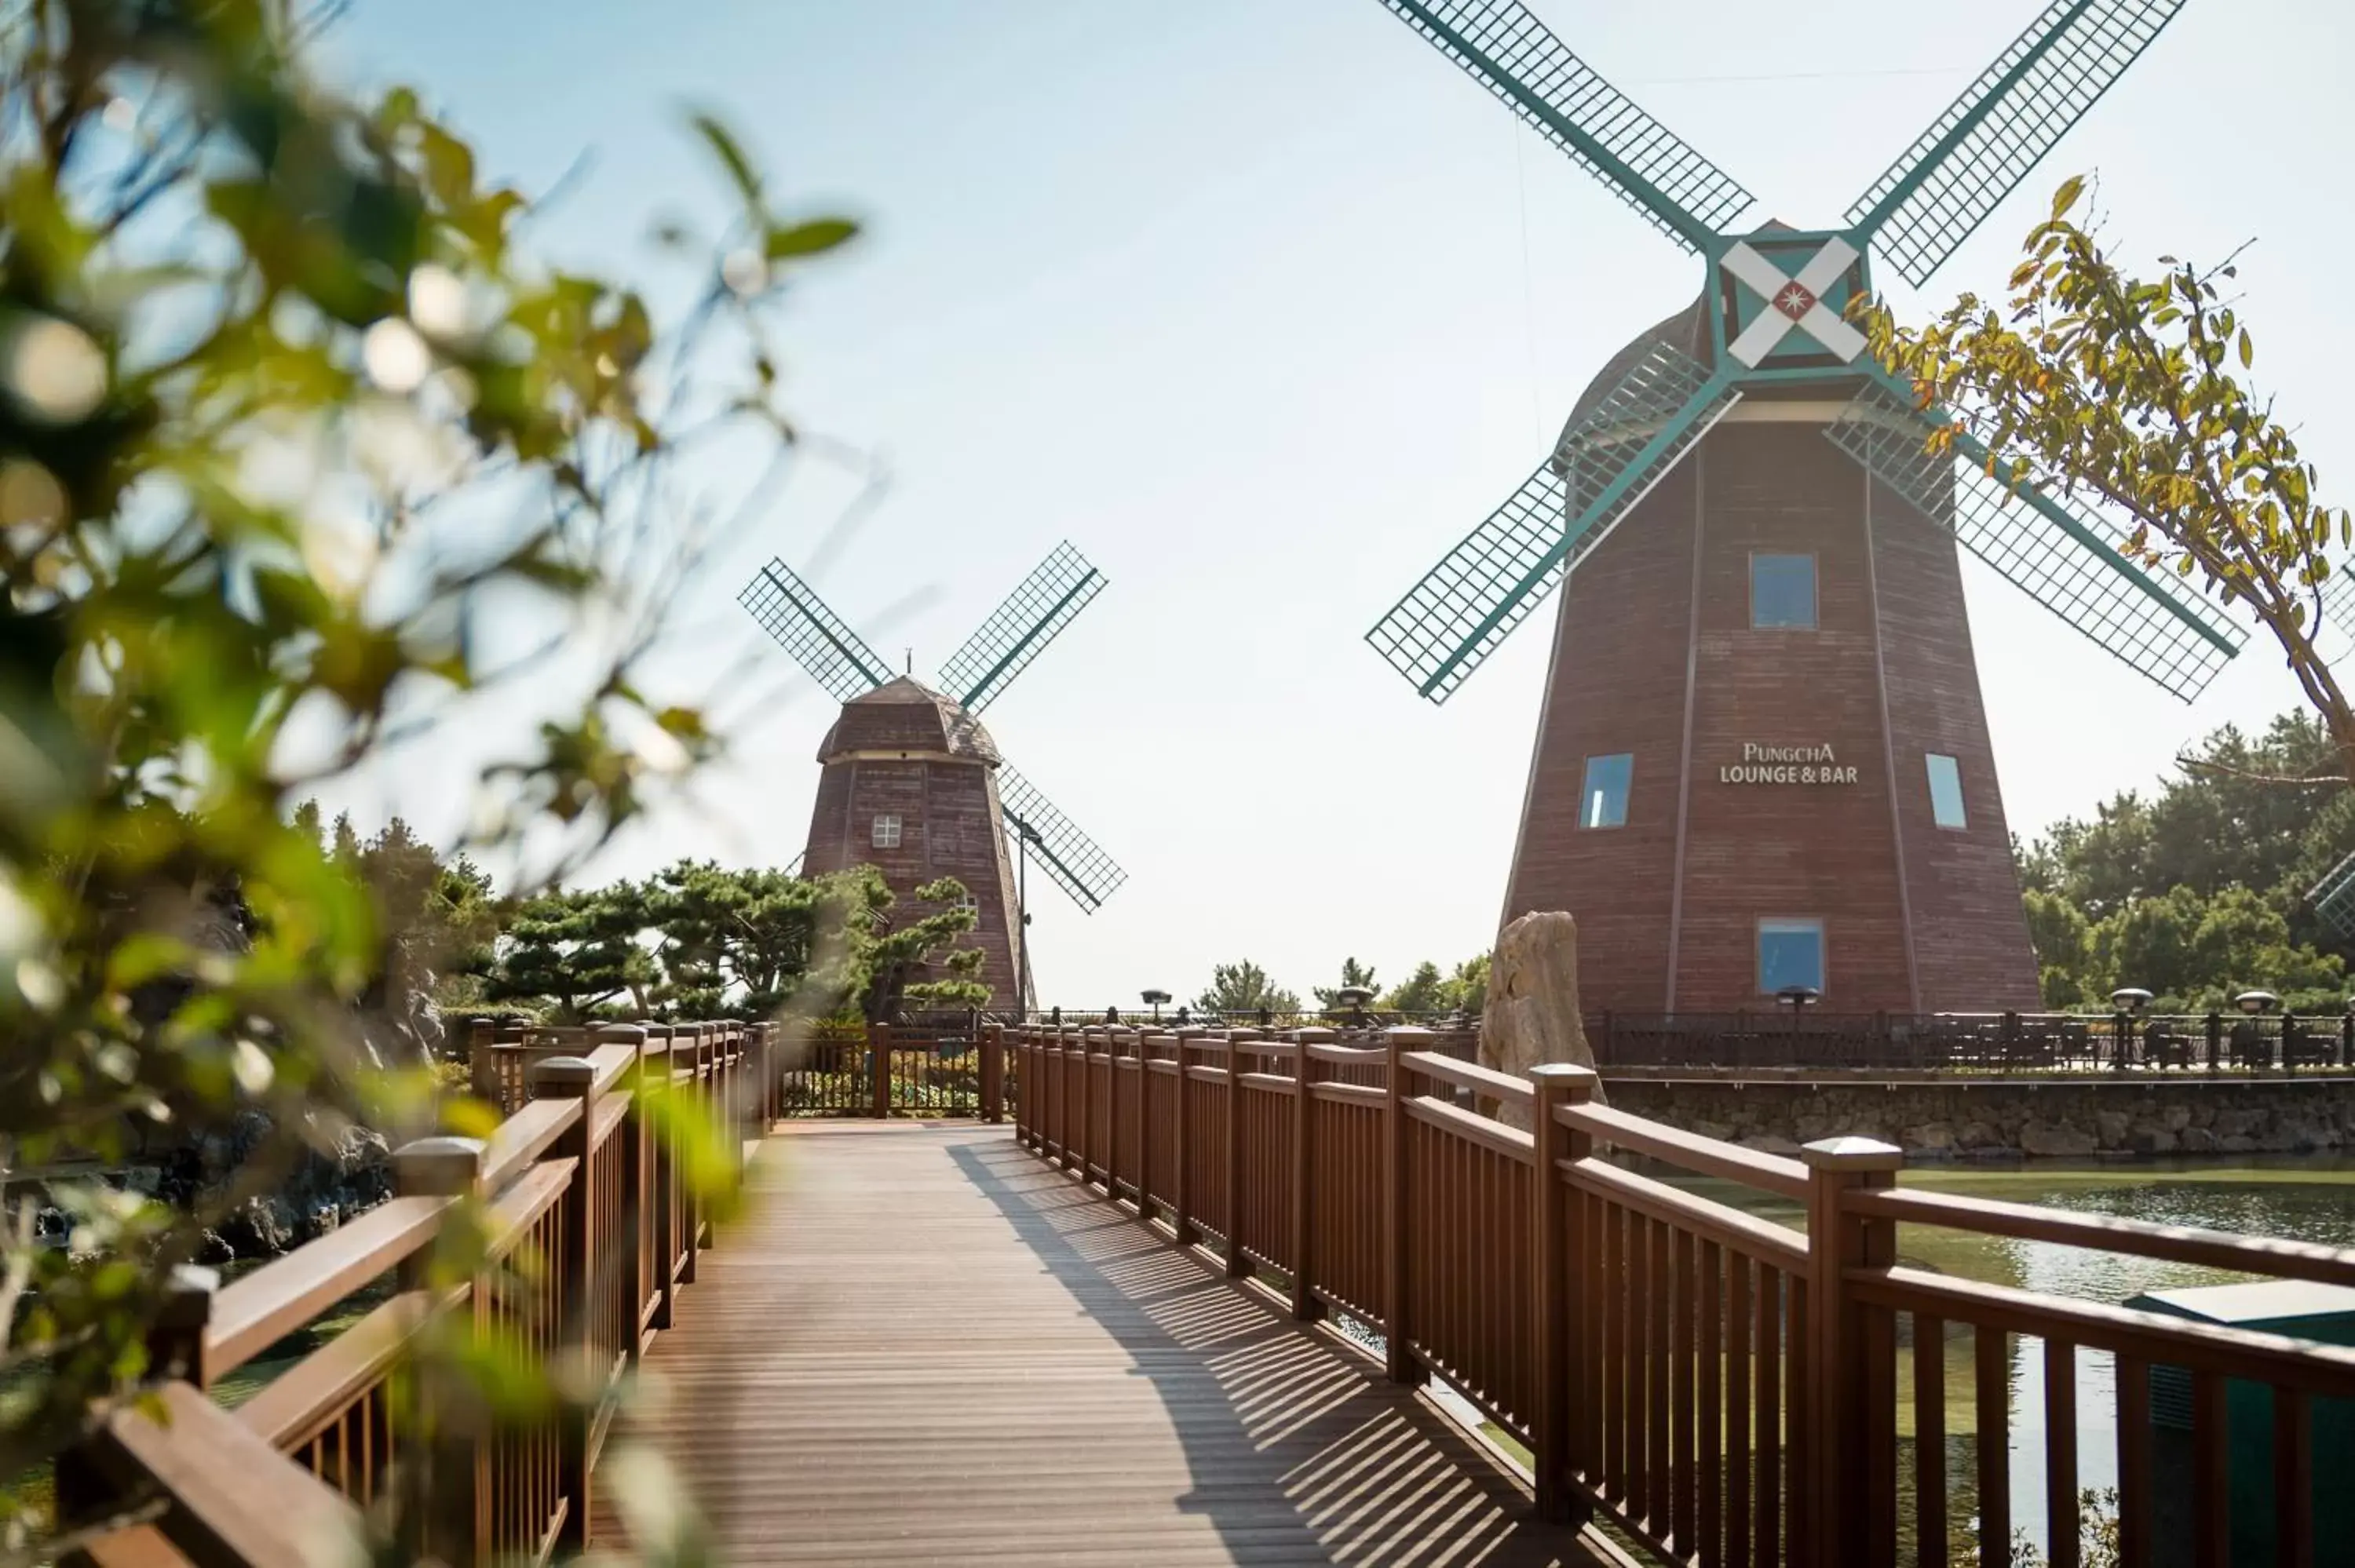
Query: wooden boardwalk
<point x="923" y="1345"/>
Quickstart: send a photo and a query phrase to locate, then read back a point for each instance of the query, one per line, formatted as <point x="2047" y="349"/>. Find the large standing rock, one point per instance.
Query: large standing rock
<point x="1532" y="1012"/>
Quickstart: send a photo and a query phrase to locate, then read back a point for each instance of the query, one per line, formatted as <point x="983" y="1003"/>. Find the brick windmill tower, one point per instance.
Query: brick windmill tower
<point x="915" y="787"/>
<point x="1763" y="761"/>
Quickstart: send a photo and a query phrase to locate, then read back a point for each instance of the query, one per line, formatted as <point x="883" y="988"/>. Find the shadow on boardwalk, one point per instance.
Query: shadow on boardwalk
<point x="928" y="1346"/>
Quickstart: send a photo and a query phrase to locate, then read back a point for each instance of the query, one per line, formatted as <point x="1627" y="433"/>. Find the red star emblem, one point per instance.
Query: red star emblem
<point x="1794" y="301"/>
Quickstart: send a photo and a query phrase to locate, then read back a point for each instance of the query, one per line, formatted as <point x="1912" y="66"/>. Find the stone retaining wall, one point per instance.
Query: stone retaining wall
<point x="1999" y="1119"/>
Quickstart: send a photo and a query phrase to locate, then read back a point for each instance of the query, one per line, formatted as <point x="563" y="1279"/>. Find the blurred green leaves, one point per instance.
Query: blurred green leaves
<point x="284" y="414"/>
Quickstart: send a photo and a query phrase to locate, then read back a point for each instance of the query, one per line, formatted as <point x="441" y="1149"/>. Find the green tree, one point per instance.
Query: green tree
<point x="436" y="925"/>
<point x="578" y="953"/>
<point x="2063" y="940"/>
<point x="2092" y="381"/>
<point x="698" y="908"/>
<point x="1243" y="986"/>
<point x="1353" y="973"/>
<point x="753" y="942"/>
<point x="286" y="412"/>
<point x="917" y="962"/>
<point x="1424" y="990"/>
<point x="2221" y="822"/>
<point x="1428" y="989"/>
<point x="1467" y="987"/>
<point x="2198" y="951"/>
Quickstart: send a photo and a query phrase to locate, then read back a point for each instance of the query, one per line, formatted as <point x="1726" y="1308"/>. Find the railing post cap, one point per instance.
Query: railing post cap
<point x="191" y="1286"/>
<point x="620" y="1034"/>
<point x="1315" y="1036"/>
<point x="1242" y="1034"/>
<point x="1853" y="1154"/>
<point x="559" y="1077"/>
<point x="1409" y="1033"/>
<point x="438" y="1167"/>
<point x="1567" y="1079"/>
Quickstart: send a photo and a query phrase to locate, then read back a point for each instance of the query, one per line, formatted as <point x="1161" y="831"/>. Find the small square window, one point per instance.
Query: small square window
<point x="886" y="832"/>
<point x="1790" y="952"/>
<point x="1603" y="798"/>
<point x="1946" y="792"/>
<point x="1783" y="591"/>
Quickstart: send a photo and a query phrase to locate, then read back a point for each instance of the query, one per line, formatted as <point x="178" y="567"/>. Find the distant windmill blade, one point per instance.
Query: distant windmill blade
<point x="1511" y="53"/>
<point x="2334" y="899"/>
<point x="819" y="639"/>
<point x="1033" y="615"/>
<point x="1988" y="139"/>
<point x="1465" y="607"/>
<point x="1067" y="854"/>
<point x="2154" y="625"/>
<point x="2337" y="597"/>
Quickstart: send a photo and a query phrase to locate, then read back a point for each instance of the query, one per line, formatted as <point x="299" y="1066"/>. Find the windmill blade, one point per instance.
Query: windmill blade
<point x="1079" y="867"/>
<point x="2334" y="899"/>
<point x="819" y="639"/>
<point x="2337" y="597"/>
<point x="1018" y="630"/>
<point x="2155" y="625"/>
<point x="1511" y="54"/>
<point x="1466" y="606"/>
<point x="1928" y="201"/>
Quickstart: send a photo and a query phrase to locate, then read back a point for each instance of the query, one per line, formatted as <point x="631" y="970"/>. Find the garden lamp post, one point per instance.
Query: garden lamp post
<point x="2127" y="1001"/>
<point x="1797" y="998"/>
<point x="1354" y="998"/>
<point x="2256" y="1003"/>
<point x="1154" y="999"/>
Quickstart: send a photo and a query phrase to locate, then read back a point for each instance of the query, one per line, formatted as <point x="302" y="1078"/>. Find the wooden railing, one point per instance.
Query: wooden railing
<point x="584" y="1177"/>
<point x="1725" y="1389"/>
<point x="855" y="1070"/>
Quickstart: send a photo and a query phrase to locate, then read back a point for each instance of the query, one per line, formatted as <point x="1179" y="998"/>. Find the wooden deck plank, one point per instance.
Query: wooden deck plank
<point x="924" y="1345"/>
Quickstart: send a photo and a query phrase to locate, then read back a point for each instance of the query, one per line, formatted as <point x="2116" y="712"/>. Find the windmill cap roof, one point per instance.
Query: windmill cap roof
<point x="905" y="714"/>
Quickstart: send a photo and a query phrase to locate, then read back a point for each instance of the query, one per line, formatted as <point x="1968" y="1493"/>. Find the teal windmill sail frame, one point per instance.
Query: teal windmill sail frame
<point x="1516" y="58"/>
<point x="1020" y="628"/>
<point x="1777" y="308"/>
<point x="2334" y="899"/>
<point x="1940" y="188"/>
<point x="2151" y="624"/>
<point x="1605" y="465"/>
<point x="821" y="642"/>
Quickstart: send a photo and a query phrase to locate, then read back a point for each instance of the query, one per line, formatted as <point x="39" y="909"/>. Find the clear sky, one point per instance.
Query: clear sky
<point x="1263" y="305"/>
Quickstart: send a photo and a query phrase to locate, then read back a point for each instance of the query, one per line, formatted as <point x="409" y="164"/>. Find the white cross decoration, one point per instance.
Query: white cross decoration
<point x="1793" y="301"/>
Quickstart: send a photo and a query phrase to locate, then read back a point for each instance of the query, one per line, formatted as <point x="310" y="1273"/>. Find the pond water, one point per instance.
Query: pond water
<point x="2304" y="1198"/>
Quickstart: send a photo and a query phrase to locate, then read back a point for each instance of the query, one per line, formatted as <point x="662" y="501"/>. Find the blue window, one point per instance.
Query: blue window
<point x="1790" y="952"/>
<point x="1946" y="792"/>
<point x="1783" y="591"/>
<point x="1603" y="801"/>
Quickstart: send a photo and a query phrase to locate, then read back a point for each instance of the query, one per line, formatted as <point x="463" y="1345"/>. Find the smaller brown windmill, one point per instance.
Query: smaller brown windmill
<point x="915" y="786"/>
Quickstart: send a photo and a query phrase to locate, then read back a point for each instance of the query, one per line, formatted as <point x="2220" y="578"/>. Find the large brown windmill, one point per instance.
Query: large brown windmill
<point x="1763" y="762"/>
<point x="915" y="786"/>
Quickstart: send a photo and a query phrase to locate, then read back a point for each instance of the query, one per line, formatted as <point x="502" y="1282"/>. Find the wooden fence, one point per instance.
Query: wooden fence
<point x="816" y="1070"/>
<point x="1724" y="1388"/>
<point x="583" y="1175"/>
